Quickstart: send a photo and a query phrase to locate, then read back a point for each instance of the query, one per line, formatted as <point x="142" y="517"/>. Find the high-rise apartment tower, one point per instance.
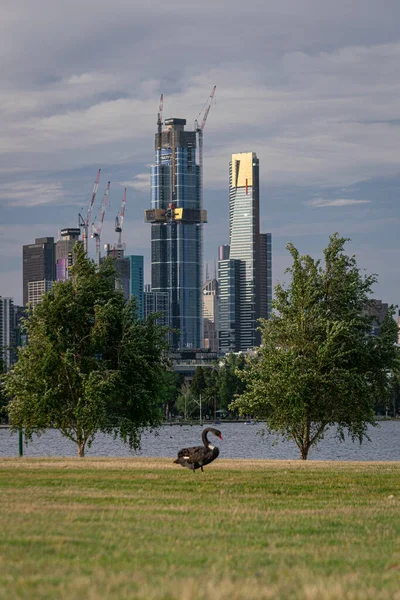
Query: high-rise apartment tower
<point x="38" y="263"/>
<point x="176" y="219"/>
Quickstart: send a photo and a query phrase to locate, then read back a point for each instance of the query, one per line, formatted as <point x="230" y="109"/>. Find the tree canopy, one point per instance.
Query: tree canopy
<point x="318" y="366"/>
<point x="90" y="366"/>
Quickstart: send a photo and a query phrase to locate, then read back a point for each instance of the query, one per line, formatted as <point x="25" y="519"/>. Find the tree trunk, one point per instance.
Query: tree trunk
<point x="304" y="451"/>
<point x="81" y="449"/>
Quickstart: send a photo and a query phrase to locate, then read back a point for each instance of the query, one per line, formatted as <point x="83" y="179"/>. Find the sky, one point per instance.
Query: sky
<point x="311" y="86"/>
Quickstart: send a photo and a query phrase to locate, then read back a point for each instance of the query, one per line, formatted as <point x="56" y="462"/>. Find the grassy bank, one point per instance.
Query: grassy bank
<point x="148" y="529"/>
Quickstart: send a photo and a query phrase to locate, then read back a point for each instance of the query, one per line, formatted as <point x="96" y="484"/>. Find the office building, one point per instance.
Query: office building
<point x="176" y="218"/>
<point x="158" y="302"/>
<point x="229" y="305"/>
<point x="20" y="335"/>
<point x="378" y="310"/>
<point x="136" y="282"/>
<point x="245" y="265"/>
<point x="38" y="263"/>
<point x="67" y="239"/>
<point x="223" y="252"/>
<point x="123" y="267"/>
<point x="265" y="275"/>
<point x="7" y="340"/>
<point x="210" y="315"/>
<point x="36" y="290"/>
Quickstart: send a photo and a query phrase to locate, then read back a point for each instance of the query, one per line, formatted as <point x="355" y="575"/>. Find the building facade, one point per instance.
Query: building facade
<point x="136" y="282"/>
<point x="7" y="340"/>
<point x="265" y="275"/>
<point x="67" y="239"/>
<point x="122" y="266"/>
<point x="176" y="219"/>
<point x="158" y="302"/>
<point x="245" y="265"/>
<point x="211" y="314"/>
<point x="36" y="291"/>
<point x="38" y="263"/>
<point x="229" y="305"/>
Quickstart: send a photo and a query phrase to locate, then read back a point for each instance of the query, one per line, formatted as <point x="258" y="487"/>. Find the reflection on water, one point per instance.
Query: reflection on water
<point x="239" y="441"/>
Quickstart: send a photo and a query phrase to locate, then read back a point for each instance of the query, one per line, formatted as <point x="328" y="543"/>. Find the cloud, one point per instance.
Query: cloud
<point x="321" y="202"/>
<point x="140" y="182"/>
<point x="30" y="193"/>
<point x="325" y="118"/>
<point x="315" y="95"/>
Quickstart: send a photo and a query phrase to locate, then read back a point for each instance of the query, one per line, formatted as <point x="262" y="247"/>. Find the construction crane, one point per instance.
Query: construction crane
<point x="96" y="228"/>
<point x="119" y="221"/>
<point x="160" y="121"/>
<point x="199" y="130"/>
<point x="84" y="223"/>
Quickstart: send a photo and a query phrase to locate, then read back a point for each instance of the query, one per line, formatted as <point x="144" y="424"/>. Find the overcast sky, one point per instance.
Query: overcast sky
<point x="311" y="86"/>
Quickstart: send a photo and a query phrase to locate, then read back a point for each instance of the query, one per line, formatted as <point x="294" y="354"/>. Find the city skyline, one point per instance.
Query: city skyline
<point x="314" y="95"/>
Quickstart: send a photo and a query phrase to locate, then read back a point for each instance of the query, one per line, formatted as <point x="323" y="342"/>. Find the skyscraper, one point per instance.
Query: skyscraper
<point x="244" y="231"/>
<point x="229" y="305"/>
<point x="244" y="266"/>
<point x="68" y="237"/>
<point x="136" y="282"/>
<point x="158" y="302"/>
<point x="211" y="314"/>
<point x="6" y="332"/>
<point x="265" y="275"/>
<point x="38" y="263"/>
<point x="176" y="219"/>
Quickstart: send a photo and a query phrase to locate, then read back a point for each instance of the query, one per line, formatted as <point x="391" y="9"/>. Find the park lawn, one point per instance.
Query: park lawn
<point x="148" y="529"/>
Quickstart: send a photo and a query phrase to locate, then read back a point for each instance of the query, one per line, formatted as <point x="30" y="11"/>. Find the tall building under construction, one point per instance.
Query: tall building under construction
<point x="176" y="218"/>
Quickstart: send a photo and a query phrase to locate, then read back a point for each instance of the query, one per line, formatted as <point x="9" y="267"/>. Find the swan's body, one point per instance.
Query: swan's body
<point x="199" y="456"/>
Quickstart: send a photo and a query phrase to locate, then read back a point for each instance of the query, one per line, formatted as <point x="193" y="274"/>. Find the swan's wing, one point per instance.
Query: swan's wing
<point x="190" y="454"/>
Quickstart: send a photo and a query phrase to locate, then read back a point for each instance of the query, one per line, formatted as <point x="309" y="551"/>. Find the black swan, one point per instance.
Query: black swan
<point x="199" y="456"/>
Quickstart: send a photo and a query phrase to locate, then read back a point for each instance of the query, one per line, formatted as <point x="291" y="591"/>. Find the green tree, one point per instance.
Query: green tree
<point x="90" y="365"/>
<point x="185" y="401"/>
<point x="318" y="366"/>
<point x="198" y="383"/>
<point x="230" y="382"/>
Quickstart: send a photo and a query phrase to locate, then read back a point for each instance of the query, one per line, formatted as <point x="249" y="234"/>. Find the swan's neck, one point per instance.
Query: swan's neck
<point x="210" y="446"/>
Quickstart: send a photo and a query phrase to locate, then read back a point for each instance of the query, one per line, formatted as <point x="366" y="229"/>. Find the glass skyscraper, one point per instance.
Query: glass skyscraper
<point x="136" y="282"/>
<point x="244" y="231"/>
<point x="244" y="267"/>
<point x="176" y="219"/>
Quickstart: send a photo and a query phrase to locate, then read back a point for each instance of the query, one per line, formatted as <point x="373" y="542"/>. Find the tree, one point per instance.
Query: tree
<point x="230" y="382"/>
<point x="198" y="383"/>
<point x="318" y="366"/>
<point x="90" y="365"/>
<point x="185" y="402"/>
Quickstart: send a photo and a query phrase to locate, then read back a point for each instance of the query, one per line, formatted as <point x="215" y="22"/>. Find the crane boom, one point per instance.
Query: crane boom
<point x="199" y="130"/>
<point x="211" y="98"/>
<point x="85" y="224"/>
<point x="96" y="228"/>
<point x="119" y="221"/>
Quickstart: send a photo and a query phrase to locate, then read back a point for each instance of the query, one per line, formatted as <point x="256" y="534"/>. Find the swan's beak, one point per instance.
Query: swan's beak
<point x="220" y="436"/>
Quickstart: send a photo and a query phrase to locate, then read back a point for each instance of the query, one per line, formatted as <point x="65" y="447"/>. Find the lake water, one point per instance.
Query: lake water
<point x="239" y="441"/>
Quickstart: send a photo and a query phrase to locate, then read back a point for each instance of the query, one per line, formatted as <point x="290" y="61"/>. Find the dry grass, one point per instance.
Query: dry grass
<point x="245" y="529"/>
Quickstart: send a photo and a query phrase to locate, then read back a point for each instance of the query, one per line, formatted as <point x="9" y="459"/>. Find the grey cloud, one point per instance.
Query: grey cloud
<point x="321" y="202"/>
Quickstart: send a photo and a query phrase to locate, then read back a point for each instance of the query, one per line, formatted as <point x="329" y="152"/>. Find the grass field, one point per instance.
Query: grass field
<point x="147" y="529"/>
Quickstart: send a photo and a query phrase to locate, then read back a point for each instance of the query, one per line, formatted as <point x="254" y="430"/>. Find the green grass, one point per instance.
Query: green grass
<point x="148" y="529"/>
